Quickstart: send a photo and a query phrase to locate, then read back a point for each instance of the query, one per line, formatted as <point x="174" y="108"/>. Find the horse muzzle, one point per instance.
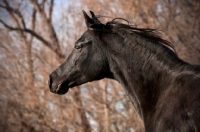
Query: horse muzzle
<point x="61" y="88"/>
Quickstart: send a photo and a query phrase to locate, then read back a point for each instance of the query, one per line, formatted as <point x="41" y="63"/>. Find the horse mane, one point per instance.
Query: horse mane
<point x="148" y="33"/>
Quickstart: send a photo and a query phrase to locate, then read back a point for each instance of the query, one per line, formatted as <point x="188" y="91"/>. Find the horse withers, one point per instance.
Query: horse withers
<point x="164" y="89"/>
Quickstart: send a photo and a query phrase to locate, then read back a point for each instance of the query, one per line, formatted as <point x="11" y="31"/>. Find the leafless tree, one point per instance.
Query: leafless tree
<point x="37" y="35"/>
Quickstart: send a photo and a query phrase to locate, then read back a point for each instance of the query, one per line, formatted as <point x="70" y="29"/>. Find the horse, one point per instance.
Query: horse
<point x="164" y="89"/>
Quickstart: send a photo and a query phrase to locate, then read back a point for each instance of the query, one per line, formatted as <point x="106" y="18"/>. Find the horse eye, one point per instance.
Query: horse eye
<point x="78" y="46"/>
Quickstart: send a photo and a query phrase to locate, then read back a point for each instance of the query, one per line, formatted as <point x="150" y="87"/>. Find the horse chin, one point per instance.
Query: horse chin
<point x="61" y="89"/>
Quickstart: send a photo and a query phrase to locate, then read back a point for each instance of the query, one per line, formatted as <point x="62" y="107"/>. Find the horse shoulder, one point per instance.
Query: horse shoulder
<point x="179" y="107"/>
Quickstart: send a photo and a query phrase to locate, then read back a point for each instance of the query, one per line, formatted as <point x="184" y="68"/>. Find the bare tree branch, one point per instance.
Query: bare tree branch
<point x="51" y="10"/>
<point x="39" y="37"/>
<point x="47" y="22"/>
<point x="26" y="30"/>
<point x="42" y="4"/>
<point x="11" y="12"/>
<point x="22" y="19"/>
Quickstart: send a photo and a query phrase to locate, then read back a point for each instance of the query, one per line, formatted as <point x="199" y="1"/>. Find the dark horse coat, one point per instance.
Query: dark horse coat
<point x="164" y="89"/>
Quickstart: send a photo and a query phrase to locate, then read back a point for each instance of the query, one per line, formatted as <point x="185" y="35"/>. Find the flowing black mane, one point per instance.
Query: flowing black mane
<point x="153" y="35"/>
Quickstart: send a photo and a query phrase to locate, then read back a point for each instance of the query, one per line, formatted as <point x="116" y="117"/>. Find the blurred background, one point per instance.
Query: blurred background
<point x="36" y="36"/>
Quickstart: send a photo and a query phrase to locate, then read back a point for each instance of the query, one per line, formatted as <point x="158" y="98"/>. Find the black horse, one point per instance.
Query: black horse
<point x="164" y="89"/>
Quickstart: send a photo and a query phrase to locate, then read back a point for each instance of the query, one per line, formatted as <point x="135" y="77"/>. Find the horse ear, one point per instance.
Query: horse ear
<point x="94" y="18"/>
<point x="88" y="20"/>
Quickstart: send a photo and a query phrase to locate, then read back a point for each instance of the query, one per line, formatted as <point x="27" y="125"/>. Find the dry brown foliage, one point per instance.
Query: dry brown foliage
<point x="37" y="35"/>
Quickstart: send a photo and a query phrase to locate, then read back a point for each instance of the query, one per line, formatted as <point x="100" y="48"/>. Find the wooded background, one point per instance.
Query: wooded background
<point x="36" y="36"/>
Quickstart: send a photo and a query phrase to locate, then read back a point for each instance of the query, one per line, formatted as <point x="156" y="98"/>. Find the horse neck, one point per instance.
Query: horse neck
<point x="144" y="69"/>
